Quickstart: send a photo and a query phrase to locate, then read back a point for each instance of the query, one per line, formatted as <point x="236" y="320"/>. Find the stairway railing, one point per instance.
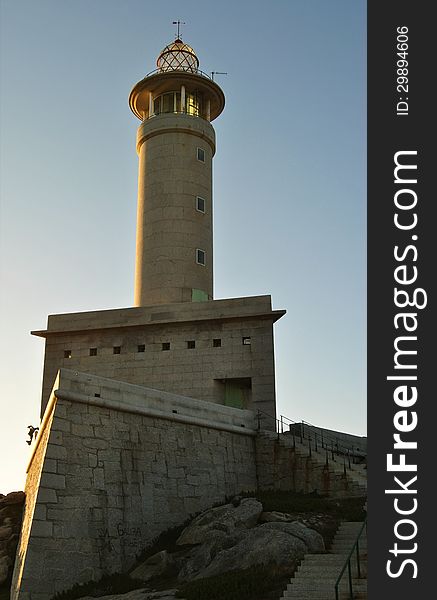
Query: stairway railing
<point x="347" y="565"/>
<point x="316" y="439"/>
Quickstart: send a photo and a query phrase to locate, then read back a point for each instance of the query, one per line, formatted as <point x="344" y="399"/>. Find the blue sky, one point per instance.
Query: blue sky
<point x="289" y="183"/>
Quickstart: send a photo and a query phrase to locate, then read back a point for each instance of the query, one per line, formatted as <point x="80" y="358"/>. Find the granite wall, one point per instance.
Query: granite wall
<point x="114" y="465"/>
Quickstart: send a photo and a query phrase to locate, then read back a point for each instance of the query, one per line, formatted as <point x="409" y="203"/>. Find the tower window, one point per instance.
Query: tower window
<point x="246" y="341"/>
<point x="67" y="353"/>
<point x="201" y="154"/>
<point x="141" y="348"/>
<point x="200" y="204"/>
<point x="165" y="345"/>
<point x="116" y="349"/>
<point x="216" y="343"/>
<point x="191" y="344"/>
<point x="200" y="257"/>
<point x="93" y="351"/>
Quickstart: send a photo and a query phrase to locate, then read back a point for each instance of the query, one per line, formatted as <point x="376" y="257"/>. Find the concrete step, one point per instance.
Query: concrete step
<point x="297" y="583"/>
<point x="322" y="595"/>
<point x="324" y="558"/>
<point x="328" y="571"/>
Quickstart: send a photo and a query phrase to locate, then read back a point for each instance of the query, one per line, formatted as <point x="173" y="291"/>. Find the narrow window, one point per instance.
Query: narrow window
<point x="166" y="345"/>
<point x="67" y="353"/>
<point x="246" y="341"/>
<point x="200" y="204"/>
<point x="141" y="348"/>
<point x="216" y="342"/>
<point x="191" y="344"/>
<point x="116" y="349"/>
<point x="200" y="256"/>
<point x="93" y="351"/>
<point x="201" y="154"/>
<point x="157" y="105"/>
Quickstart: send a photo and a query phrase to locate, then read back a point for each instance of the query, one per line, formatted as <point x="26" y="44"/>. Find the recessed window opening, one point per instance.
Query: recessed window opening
<point x="200" y="257"/>
<point x="141" y="347"/>
<point x="201" y="154"/>
<point x="116" y="349"/>
<point x="246" y="341"/>
<point x="200" y="204"/>
<point x="67" y="353"/>
<point x="191" y="344"/>
<point x="165" y="345"/>
<point x="216" y="342"/>
<point x="93" y="351"/>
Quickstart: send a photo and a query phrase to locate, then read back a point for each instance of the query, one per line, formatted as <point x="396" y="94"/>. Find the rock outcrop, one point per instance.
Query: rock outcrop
<point x="11" y="511"/>
<point x="231" y="537"/>
<point x="240" y="514"/>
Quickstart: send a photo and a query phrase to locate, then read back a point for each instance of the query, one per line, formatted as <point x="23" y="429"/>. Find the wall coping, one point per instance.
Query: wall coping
<point x="74" y="386"/>
<point x="181" y="312"/>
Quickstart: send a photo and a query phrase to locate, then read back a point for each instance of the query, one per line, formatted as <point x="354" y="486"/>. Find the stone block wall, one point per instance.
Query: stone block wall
<point x="280" y="467"/>
<point x="115" y="465"/>
<point x="86" y="341"/>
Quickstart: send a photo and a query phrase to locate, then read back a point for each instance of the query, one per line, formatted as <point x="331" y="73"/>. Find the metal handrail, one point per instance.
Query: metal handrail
<point x="347" y="564"/>
<point x="324" y="436"/>
<point x="331" y="437"/>
<point x="195" y="72"/>
<point x="328" y="442"/>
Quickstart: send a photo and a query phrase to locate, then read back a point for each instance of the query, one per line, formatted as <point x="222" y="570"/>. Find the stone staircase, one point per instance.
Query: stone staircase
<point x="356" y="475"/>
<point x="317" y="574"/>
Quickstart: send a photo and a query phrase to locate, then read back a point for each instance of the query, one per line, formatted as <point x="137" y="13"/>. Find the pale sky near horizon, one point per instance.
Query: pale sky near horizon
<point x="289" y="183"/>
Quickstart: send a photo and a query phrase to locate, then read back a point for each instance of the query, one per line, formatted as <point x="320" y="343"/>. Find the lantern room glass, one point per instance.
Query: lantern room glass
<point x="178" y="57"/>
<point x="170" y="102"/>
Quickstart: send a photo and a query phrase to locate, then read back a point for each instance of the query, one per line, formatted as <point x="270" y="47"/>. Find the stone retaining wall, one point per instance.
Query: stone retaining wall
<point x="280" y="467"/>
<point x="107" y="476"/>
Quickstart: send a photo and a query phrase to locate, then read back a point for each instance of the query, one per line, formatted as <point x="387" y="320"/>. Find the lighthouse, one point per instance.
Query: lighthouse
<point x="150" y="413"/>
<point x="177" y="337"/>
<point x="176" y="144"/>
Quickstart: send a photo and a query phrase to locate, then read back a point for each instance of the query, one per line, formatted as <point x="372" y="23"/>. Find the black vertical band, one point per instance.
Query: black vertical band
<point x="401" y="298"/>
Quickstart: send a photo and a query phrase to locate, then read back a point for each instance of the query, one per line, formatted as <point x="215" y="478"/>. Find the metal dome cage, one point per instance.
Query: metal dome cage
<point x="178" y="56"/>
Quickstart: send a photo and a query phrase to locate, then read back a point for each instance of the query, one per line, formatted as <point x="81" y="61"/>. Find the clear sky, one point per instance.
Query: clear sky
<point x="289" y="183"/>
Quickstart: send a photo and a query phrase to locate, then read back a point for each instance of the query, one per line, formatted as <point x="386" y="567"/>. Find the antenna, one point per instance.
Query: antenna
<point x="217" y="73"/>
<point x="178" y="23"/>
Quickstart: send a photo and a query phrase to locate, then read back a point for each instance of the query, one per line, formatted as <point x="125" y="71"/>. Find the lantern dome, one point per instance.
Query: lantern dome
<point x="178" y="56"/>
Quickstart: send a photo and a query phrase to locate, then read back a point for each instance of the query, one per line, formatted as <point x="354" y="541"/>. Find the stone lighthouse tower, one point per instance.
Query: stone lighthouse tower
<point x="176" y="144"/>
<point x="176" y="338"/>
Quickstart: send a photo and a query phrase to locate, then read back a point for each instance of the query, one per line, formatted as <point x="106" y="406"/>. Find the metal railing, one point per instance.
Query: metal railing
<point x="347" y="565"/>
<point x="194" y="72"/>
<point x="316" y="439"/>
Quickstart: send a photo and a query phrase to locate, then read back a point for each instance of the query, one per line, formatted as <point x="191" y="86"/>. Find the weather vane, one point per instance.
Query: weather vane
<point x="178" y="23"/>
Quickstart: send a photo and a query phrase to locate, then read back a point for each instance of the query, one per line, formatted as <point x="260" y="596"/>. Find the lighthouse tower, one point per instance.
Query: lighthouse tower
<point x="177" y="338"/>
<point x="176" y="144"/>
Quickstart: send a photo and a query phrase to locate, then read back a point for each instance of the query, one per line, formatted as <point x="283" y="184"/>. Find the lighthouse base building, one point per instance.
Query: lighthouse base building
<point x="150" y="415"/>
